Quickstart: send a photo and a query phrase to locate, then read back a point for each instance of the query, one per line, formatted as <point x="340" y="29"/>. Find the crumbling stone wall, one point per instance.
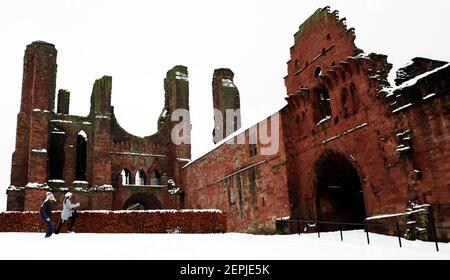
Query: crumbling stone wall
<point x="341" y="108"/>
<point x="109" y="149"/>
<point x="343" y="120"/>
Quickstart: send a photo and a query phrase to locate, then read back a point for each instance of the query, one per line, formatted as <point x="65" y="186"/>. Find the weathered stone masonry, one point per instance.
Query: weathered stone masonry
<point x="92" y="156"/>
<point x="352" y="148"/>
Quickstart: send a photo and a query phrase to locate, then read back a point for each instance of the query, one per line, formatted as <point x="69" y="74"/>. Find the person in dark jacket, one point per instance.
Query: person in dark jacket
<point x="46" y="213"/>
<point x="68" y="212"/>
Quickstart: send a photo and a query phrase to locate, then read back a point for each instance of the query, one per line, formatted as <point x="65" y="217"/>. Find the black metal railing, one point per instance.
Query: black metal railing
<point x="320" y="226"/>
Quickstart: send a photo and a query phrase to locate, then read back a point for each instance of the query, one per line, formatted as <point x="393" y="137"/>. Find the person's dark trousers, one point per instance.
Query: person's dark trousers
<point x="60" y="225"/>
<point x="58" y="228"/>
<point x="50" y="228"/>
<point x="72" y="222"/>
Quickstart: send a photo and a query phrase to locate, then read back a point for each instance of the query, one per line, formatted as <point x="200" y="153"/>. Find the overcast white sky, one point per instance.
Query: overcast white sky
<point x="136" y="42"/>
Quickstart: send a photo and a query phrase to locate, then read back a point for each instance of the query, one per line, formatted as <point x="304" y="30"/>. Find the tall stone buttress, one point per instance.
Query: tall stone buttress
<point x="226" y="101"/>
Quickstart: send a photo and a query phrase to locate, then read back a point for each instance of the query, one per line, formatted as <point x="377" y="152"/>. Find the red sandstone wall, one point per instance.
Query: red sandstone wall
<point x="360" y="128"/>
<point x="322" y="39"/>
<point x="38" y="93"/>
<point x="369" y="148"/>
<point x="258" y="205"/>
<point x="88" y="200"/>
<point x="367" y="135"/>
<point x="110" y="149"/>
<point x="122" y="222"/>
<point x="430" y="154"/>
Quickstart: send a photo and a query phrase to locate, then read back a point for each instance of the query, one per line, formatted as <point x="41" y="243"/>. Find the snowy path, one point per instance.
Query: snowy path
<point x="215" y="246"/>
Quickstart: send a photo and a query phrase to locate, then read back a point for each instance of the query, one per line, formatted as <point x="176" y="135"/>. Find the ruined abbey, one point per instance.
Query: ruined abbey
<point x="350" y="146"/>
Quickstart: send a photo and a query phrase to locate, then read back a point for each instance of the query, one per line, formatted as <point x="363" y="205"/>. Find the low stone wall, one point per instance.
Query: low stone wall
<point x="151" y="221"/>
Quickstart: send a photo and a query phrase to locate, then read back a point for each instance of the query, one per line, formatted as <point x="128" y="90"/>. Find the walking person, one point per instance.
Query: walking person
<point x="45" y="212"/>
<point x="68" y="212"/>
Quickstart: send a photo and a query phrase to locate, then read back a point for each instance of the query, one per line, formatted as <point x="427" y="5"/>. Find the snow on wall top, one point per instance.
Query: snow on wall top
<point x="391" y="91"/>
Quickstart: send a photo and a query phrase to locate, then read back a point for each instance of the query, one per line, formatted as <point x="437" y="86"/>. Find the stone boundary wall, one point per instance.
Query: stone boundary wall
<point x="151" y="221"/>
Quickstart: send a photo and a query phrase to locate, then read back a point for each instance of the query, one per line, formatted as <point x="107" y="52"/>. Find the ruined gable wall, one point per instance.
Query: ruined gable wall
<point x="323" y="39"/>
<point x="109" y="147"/>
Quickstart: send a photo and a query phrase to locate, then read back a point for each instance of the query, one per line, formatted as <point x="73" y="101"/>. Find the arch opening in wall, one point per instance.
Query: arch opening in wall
<point x="318" y="72"/>
<point x="142" y="201"/>
<point x="56" y="153"/>
<point x="81" y="156"/>
<point x="321" y="104"/>
<point x="156" y="178"/>
<point x="140" y="178"/>
<point x="340" y="196"/>
<point x="125" y="174"/>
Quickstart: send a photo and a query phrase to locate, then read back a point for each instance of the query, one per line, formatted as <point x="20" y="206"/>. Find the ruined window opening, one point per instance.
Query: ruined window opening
<point x="263" y="202"/>
<point x="354" y="98"/>
<point x="318" y="72"/>
<point x="333" y="63"/>
<point x="56" y="153"/>
<point x="125" y="177"/>
<point x="322" y="105"/>
<point x="140" y="178"/>
<point x="329" y="37"/>
<point x="81" y="156"/>
<point x="253" y="147"/>
<point x="253" y="150"/>
<point x="156" y="179"/>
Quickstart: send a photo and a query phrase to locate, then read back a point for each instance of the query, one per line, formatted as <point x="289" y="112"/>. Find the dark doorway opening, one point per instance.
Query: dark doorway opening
<point x="80" y="171"/>
<point x="56" y="154"/>
<point x="142" y="201"/>
<point x="340" y="196"/>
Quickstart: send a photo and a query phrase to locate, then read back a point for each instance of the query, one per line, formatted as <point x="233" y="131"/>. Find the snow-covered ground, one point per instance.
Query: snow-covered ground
<point x="214" y="246"/>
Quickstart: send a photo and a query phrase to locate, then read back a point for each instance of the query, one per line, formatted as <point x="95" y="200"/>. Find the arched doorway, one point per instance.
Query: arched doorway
<point x="142" y="201"/>
<point x="340" y="196"/>
<point x="81" y="156"/>
<point x="56" y="153"/>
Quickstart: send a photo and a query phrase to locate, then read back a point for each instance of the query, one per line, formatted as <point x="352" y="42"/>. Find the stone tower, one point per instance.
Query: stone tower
<point x="37" y="103"/>
<point x="176" y="117"/>
<point x="227" y="116"/>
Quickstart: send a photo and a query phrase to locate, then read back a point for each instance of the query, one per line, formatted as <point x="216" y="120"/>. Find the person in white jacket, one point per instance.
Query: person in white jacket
<point x="68" y="213"/>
